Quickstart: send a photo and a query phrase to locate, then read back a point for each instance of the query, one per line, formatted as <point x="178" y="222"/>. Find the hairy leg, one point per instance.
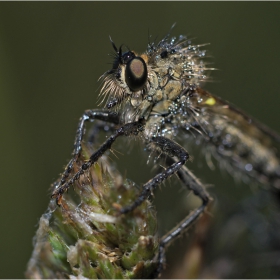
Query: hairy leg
<point x="127" y="129"/>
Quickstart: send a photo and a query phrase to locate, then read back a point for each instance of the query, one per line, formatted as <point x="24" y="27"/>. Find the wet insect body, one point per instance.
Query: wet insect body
<point x="157" y="97"/>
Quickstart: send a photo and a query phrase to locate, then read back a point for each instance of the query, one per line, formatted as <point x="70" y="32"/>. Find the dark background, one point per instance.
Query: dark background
<point x="51" y="56"/>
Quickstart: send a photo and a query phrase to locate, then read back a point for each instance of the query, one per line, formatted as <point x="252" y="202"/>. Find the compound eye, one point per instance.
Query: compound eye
<point x="136" y="74"/>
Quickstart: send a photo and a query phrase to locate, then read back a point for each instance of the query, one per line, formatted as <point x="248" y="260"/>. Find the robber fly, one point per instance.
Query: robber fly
<point x="157" y="97"/>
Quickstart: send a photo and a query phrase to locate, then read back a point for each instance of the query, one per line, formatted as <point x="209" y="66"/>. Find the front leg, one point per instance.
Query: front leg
<point x="127" y="129"/>
<point x="89" y="115"/>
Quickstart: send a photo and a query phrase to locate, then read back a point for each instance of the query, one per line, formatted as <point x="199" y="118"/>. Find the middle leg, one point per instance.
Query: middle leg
<point x="177" y="157"/>
<point x="168" y="147"/>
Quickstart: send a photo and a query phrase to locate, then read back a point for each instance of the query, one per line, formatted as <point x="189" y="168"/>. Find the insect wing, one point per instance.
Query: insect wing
<point x="242" y="143"/>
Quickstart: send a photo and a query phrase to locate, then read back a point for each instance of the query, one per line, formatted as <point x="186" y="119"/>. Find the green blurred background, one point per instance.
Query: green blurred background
<point x="51" y="56"/>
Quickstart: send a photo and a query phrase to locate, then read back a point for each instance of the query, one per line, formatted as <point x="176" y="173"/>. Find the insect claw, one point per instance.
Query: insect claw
<point x="118" y="209"/>
<point x="59" y="200"/>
